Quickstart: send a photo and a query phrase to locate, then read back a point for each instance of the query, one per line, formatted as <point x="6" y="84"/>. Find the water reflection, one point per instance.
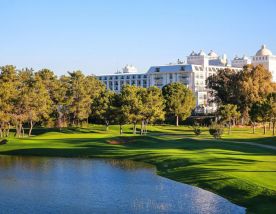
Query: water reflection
<point x="64" y="185"/>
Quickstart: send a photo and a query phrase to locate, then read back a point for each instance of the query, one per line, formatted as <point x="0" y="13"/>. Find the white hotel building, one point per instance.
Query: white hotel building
<point x="193" y="74"/>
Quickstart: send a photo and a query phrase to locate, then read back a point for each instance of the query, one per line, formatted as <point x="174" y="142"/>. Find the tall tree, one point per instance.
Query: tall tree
<point x="223" y="87"/>
<point x="272" y="110"/>
<point x="21" y="107"/>
<point x="260" y="112"/>
<point x="153" y="106"/>
<point x="243" y="88"/>
<point x="179" y="100"/>
<point x="79" y="98"/>
<point x="37" y="102"/>
<point x="120" y="116"/>
<point x="132" y="104"/>
<point x="255" y="83"/>
<point x="103" y="107"/>
<point x="8" y="92"/>
<point x="228" y="114"/>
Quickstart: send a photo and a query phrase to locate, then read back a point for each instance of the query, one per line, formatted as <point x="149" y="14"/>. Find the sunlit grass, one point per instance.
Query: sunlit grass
<point x="244" y="174"/>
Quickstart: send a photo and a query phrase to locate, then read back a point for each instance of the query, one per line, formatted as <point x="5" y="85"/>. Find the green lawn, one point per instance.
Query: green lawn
<point x="244" y="174"/>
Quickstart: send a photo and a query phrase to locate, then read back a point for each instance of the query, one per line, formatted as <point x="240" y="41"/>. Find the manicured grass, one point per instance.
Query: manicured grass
<point x="244" y="174"/>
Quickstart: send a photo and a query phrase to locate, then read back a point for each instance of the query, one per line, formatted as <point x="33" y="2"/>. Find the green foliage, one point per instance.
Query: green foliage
<point x="196" y="129"/>
<point x="179" y="100"/>
<point x="251" y="85"/>
<point x="228" y="114"/>
<point x="216" y="130"/>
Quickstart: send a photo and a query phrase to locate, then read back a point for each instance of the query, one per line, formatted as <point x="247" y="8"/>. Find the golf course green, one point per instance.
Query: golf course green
<point x="241" y="172"/>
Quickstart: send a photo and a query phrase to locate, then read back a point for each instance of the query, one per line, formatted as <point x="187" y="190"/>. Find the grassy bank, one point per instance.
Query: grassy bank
<point x="244" y="174"/>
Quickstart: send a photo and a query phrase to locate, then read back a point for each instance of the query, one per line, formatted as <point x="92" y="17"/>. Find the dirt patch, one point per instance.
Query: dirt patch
<point x="114" y="142"/>
<point x="120" y="141"/>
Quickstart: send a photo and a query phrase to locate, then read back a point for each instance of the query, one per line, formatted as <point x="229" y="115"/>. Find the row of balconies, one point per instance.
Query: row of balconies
<point x="123" y="77"/>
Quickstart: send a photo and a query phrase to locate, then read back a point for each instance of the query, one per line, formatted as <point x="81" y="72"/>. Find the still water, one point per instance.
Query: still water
<point x="63" y="185"/>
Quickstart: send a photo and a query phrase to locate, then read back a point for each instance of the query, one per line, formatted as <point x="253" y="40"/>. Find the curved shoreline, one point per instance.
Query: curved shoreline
<point x="204" y="164"/>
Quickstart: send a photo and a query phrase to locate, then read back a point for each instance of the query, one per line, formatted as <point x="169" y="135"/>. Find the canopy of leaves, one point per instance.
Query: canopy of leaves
<point x="179" y="100"/>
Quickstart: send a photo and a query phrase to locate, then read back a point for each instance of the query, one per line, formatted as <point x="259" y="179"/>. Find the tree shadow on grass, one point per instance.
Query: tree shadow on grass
<point x="204" y="173"/>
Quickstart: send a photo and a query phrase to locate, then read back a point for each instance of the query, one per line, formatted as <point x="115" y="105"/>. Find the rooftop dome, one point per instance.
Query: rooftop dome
<point x="201" y="53"/>
<point x="236" y="58"/>
<point x="129" y="69"/>
<point x="212" y="54"/>
<point x="245" y="57"/>
<point x="264" y="51"/>
<point x="193" y="53"/>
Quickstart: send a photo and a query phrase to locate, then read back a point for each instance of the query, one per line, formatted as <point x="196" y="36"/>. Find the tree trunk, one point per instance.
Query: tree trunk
<point x="146" y="126"/>
<point x="8" y="130"/>
<point x="2" y="129"/>
<point x="142" y="127"/>
<point x="264" y="128"/>
<point x="31" y="128"/>
<point x="273" y="128"/>
<point x="229" y="128"/>
<point x="106" y="125"/>
<point x="253" y="124"/>
<point x="19" y="130"/>
<point x="121" y="129"/>
<point x="177" y="120"/>
<point x="23" y="131"/>
<point x="134" y="128"/>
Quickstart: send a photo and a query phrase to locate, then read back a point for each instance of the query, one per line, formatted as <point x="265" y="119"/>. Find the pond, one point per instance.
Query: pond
<point x="72" y="185"/>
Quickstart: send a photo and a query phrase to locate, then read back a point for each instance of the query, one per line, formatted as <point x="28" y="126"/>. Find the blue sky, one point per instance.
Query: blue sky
<point x="99" y="37"/>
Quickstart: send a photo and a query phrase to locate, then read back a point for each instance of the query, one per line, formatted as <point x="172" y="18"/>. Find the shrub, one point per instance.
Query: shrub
<point x="216" y="130"/>
<point x="196" y="129"/>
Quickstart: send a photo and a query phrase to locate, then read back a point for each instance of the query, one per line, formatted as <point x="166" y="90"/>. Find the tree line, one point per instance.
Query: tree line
<point x="247" y="96"/>
<point x="29" y="98"/>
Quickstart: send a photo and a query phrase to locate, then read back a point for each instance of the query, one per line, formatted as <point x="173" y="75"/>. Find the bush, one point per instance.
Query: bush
<point x="216" y="130"/>
<point x="196" y="129"/>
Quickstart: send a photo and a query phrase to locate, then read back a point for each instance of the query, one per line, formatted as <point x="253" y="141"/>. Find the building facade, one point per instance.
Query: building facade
<point x="193" y="74"/>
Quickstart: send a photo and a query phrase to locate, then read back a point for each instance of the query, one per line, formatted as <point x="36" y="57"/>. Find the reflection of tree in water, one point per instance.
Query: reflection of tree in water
<point x="24" y="162"/>
<point x="43" y="163"/>
<point x="128" y="164"/>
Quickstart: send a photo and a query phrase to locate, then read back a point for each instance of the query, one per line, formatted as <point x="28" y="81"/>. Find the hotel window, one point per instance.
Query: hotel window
<point x="145" y="76"/>
<point x="171" y="76"/>
<point x="196" y="68"/>
<point x="122" y="77"/>
<point x="133" y="77"/>
<point x="157" y="69"/>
